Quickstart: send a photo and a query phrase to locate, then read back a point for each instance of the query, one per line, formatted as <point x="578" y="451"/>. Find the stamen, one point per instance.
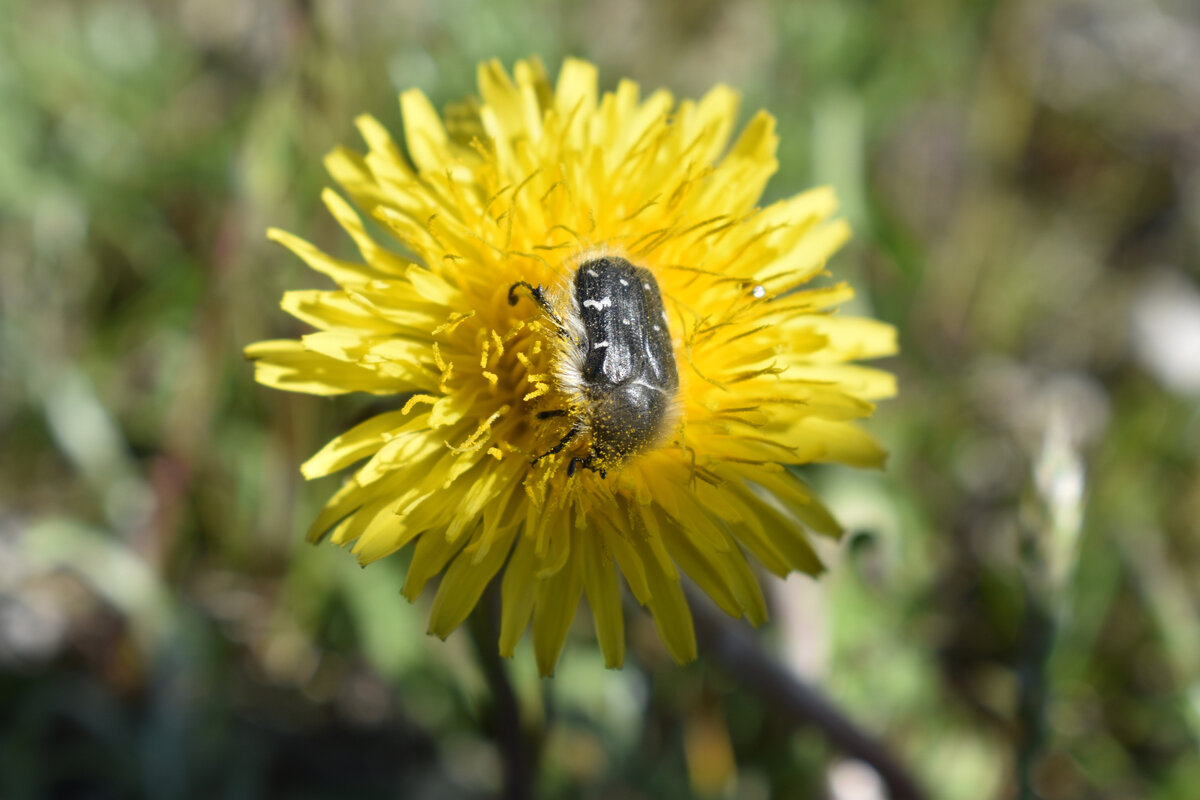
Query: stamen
<point x="433" y="234"/>
<point x="532" y="257"/>
<point x="756" y="373"/>
<point x="719" y="231"/>
<point x="687" y="354"/>
<point x="571" y="231"/>
<point x="475" y="440"/>
<point x="515" y="330"/>
<point x="452" y="322"/>
<point x="658" y="234"/>
<point x="682" y="191"/>
<point x="704" y="223"/>
<point x="418" y="398"/>
<point x="539" y="390"/>
<point x="446" y="367"/>
<point x="651" y="203"/>
<point x="487" y="209"/>
<point x="558" y="246"/>
<point x="553" y="186"/>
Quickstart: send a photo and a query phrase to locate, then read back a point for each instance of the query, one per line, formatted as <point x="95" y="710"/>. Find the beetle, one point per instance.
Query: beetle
<point x="614" y="361"/>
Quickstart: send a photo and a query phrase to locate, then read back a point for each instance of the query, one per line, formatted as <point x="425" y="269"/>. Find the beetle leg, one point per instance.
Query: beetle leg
<point x="585" y="463"/>
<point x="556" y="412"/>
<point x="558" y="448"/>
<point x="538" y="295"/>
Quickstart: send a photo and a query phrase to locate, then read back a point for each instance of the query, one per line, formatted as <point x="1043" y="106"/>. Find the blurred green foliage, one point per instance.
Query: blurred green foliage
<point x="1016" y="607"/>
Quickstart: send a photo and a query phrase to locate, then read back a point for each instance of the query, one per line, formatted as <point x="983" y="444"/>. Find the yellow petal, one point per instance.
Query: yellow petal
<point x="844" y="443"/>
<point x="757" y="142"/>
<point x="630" y="562"/>
<point x="433" y="288"/>
<point x="746" y="587"/>
<point x="346" y="273"/>
<point x="328" y="310"/>
<point x="797" y="215"/>
<point x="430" y="557"/>
<point x="463" y="585"/>
<point x="352" y="224"/>
<point x="669" y="607"/>
<point x="604" y="597"/>
<point x="287" y="364"/>
<point x="517" y="595"/>
<point x="865" y="382"/>
<point x="501" y="96"/>
<point x="805" y="260"/>
<point x="850" y="338"/>
<point x="354" y="175"/>
<point x="801" y="501"/>
<point x="531" y="74"/>
<point x="385" y="159"/>
<point x="423" y="131"/>
<point x="575" y="98"/>
<point x="722" y="572"/>
<point x="376" y="529"/>
<point x="359" y="442"/>
<point x="702" y="567"/>
<point x="483" y="486"/>
<point x="754" y="533"/>
<point x="343" y="503"/>
<point x="554" y="609"/>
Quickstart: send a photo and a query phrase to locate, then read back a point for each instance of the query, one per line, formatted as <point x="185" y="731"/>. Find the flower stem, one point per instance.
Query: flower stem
<point x="502" y="720"/>
<point x="797" y="702"/>
<point x="1031" y="704"/>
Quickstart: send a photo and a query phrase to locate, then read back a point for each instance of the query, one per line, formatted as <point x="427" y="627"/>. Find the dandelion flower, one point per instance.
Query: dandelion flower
<point x="516" y="191"/>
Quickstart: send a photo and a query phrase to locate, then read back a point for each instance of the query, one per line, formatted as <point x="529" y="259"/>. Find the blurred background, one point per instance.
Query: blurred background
<point x="1016" y="606"/>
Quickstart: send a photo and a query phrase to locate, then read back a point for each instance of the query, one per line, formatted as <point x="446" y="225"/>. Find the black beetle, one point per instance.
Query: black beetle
<point x="615" y="361"/>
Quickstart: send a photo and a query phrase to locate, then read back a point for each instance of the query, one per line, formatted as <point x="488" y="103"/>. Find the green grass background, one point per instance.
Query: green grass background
<point x="1024" y="182"/>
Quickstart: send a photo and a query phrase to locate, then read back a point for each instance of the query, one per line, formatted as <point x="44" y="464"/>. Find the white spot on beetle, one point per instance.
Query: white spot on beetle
<point x="624" y="322"/>
<point x="657" y="328"/>
<point x="646" y="286"/>
<point x="664" y="316"/>
<point x="593" y="273"/>
<point x="600" y="345"/>
<point x="624" y="282"/>
<point x="604" y="302"/>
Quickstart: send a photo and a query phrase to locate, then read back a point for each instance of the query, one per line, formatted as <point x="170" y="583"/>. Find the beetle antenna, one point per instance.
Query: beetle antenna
<point x="538" y="295"/>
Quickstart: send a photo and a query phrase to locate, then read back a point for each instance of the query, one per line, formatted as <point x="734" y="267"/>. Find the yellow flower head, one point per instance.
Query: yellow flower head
<point x="470" y="317"/>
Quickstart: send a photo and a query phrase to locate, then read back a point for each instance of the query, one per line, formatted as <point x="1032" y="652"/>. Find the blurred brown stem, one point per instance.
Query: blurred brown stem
<point x="503" y="719"/>
<point x="740" y="654"/>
